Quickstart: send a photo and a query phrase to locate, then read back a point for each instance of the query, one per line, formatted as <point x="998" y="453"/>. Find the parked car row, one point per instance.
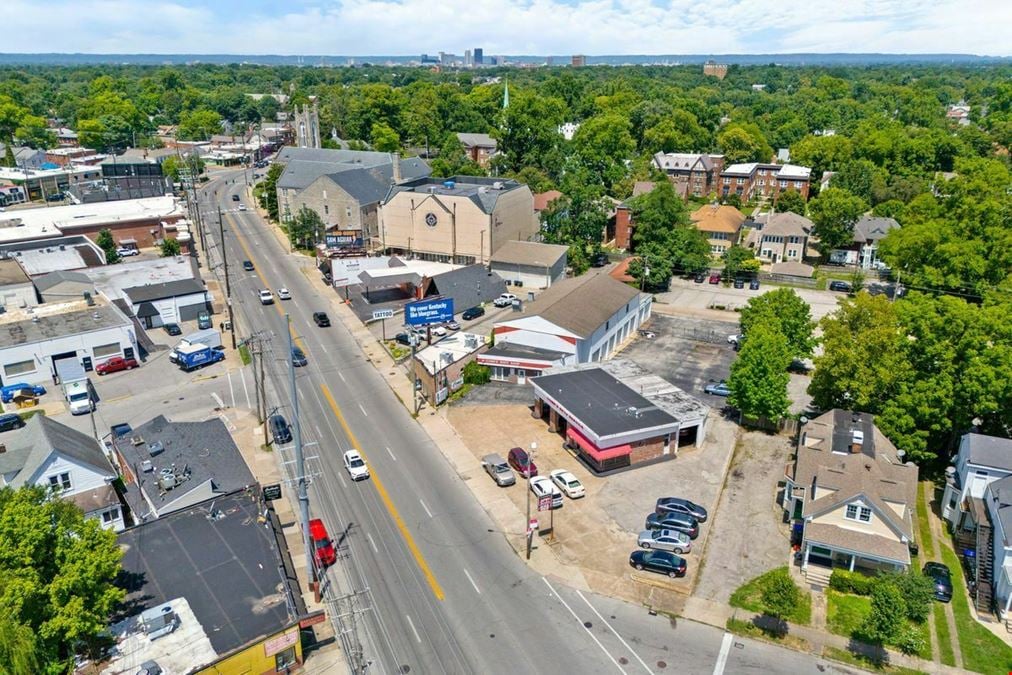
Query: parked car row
<point x="715" y="278"/>
<point x="668" y="532"/>
<point x="557" y="483"/>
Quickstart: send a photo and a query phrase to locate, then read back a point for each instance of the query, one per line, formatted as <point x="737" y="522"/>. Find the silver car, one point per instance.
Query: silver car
<point x="665" y="540"/>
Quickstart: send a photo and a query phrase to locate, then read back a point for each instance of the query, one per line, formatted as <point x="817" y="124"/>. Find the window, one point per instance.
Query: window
<point x="865" y="516"/>
<point x="284" y="660"/>
<point x="326" y="210"/>
<point x="110" y="515"/>
<point x="103" y="351"/>
<point x="798" y="184"/>
<point x="783" y="183"/>
<point x="19" y="368"/>
<point x="60" y="482"/>
<point x="741" y="181"/>
<point x="851" y="512"/>
<point x="858" y="512"/>
<point x="792" y="253"/>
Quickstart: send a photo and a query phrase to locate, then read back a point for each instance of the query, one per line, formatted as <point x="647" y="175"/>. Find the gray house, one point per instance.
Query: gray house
<point x="64" y="286"/>
<point x="528" y="264"/>
<point x="169" y="466"/>
<point x="863" y="250"/>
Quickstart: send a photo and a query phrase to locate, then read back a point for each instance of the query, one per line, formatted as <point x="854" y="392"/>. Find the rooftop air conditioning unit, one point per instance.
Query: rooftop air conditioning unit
<point x="166" y="479"/>
<point x="497" y="185"/>
<point x="156" y="448"/>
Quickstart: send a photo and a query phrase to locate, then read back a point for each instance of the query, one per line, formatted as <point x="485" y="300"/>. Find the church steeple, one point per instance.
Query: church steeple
<point x="506" y="95"/>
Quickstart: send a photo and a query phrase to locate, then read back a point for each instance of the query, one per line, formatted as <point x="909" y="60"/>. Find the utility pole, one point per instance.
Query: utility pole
<point x="228" y="285"/>
<point x="527" y="469"/>
<point x="300" y="460"/>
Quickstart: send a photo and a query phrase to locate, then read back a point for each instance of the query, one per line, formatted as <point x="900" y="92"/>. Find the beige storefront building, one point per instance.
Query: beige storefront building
<point x="462" y="220"/>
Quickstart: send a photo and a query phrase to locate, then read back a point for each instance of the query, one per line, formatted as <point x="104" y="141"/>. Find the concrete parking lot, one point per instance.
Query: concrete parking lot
<point x="687" y="294"/>
<point x="597" y="533"/>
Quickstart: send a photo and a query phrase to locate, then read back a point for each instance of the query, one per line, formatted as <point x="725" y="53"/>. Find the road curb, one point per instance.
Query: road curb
<point x="658" y="582"/>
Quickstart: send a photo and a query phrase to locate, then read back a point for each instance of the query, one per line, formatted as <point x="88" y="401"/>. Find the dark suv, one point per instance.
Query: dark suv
<point x="941" y="579"/>
<point x="10" y="422"/>
<point x="321" y="319"/>
<point x="280" y="430"/>
<point x="841" y="286"/>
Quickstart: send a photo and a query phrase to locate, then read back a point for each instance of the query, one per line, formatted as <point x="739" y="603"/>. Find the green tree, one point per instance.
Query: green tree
<point x="834" y="213"/>
<point x="790" y="201"/>
<point x="652" y="267"/>
<point x="171" y="166"/>
<point x="305" y="228"/>
<point x="860" y="177"/>
<point x="784" y="310"/>
<point x="602" y="144"/>
<point x="198" y="125"/>
<point x="759" y="376"/>
<point x="58" y="570"/>
<point x="690" y="250"/>
<point x="739" y="260"/>
<point x="780" y="595"/>
<point x="575" y="220"/>
<point x="742" y="144"/>
<point x="170" y="247"/>
<point x="887" y="616"/>
<point x="822" y="153"/>
<point x="475" y="373"/>
<point x="11" y="115"/>
<point x="384" y="138"/>
<point x="33" y="132"/>
<point x="9" y="159"/>
<point x="18" y="649"/>
<point x="266" y="191"/>
<point x="107" y="244"/>
<point x="528" y="133"/>
<point x="918" y="592"/>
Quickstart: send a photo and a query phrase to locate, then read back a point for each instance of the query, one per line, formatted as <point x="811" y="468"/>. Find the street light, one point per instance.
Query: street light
<point x="527" y="468"/>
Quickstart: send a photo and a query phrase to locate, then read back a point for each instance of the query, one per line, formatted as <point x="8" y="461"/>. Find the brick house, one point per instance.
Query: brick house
<point x="763" y="181"/>
<point x="479" y="148"/>
<point x="691" y="173"/>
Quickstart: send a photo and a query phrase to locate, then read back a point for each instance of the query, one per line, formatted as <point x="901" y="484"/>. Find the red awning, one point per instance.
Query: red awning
<point x="597" y="453"/>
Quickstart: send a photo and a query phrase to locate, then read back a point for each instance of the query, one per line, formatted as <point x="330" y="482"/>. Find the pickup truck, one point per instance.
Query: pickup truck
<point x="504" y="300"/>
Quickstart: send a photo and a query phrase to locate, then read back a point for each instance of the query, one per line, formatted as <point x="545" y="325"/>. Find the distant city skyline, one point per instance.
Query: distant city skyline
<point x="413" y="27"/>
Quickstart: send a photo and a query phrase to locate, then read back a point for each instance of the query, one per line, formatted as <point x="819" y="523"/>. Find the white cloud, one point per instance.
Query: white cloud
<point x="377" y="27"/>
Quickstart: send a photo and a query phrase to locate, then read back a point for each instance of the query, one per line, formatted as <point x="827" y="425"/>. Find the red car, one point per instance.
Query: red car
<point x="714" y="278"/>
<point x="323" y="547"/>
<point x="520" y="461"/>
<point x="116" y="364"/>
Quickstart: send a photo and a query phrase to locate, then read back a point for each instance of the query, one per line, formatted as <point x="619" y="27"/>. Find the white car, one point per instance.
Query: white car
<point x="127" y="251"/>
<point x="439" y="330"/>
<point x="541" y="486"/>
<point x="735" y="339"/>
<point x="504" y="300"/>
<point x="242" y="207"/>
<point x="568" y="483"/>
<point x="266" y="297"/>
<point x="283" y="294"/>
<point x="355" y="465"/>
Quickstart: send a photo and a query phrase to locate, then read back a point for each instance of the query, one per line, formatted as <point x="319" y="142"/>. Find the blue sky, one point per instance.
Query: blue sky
<point x="508" y="26"/>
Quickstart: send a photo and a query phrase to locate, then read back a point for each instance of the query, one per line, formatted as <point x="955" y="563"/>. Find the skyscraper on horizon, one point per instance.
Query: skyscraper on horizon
<point x="478" y="56"/>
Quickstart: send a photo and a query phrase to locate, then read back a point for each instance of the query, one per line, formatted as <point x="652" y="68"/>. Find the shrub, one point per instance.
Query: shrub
<point x="780" y="595"/>
<point x="887" y="616"/>
<point x="851" y="582"/>
<point x="475" y="373"/>
<point x="917" y="590"/>
<point x="910" y="640"/>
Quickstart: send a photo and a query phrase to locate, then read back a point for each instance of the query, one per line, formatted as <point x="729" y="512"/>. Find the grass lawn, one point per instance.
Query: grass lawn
<point x="749" y="629"/>
<point x="945" y="651"/>
<point x="983" y="651"/>
<point x="844" y="656"/>
<point x="749" y="596"/>
<point x="845" y="613"/>
<point x="927" y="543"/>
<point x="245" y="355"/>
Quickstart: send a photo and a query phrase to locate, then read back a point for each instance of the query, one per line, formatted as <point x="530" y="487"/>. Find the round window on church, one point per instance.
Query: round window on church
<point x="431" y="220"/>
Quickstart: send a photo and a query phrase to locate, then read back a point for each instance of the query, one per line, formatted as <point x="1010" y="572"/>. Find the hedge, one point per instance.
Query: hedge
<point x="851" y="582"/>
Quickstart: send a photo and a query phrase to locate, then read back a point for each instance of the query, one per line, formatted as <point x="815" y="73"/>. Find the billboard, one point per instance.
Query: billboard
<point x="433" y="310"/>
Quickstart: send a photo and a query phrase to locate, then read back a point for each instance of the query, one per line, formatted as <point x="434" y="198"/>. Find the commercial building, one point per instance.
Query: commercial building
<point x="439" y="367"/>
<point x="461" y="220"/>
<point x="528" y="264"/>
<point x="479" y="148"/>
<point x="854" y="495"/>
<point x="721" y="224"/>
<point x="46" y="254"/>
<point x="169" y="302"/>
<point x="714" y="69"/>
<point x="63" y="286"/>
<point x="579" y="61"/>
<point x="211" y="589"/>
<point x="577" y="320"/>
<point x="616" y="415"/>
<point x="16" y="289"/>
<point x="90" y="330"/>
<point x="41" y="183"/>
<point x="170" y="466"/>
<point x="53" y="456"/>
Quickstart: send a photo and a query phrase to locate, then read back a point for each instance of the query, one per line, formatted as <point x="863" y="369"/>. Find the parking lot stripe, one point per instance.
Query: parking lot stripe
<point x="242" y="376"/>
<point x="594" y="609"/>
<point x="725" y="649"/>
<point x="425" y="507"/>
<point x="391" y="453"/>
<point x="592" y="636"/>
<point x="231" y="390"/>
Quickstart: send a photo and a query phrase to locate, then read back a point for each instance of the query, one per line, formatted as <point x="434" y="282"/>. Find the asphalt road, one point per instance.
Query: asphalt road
<point x="433" y="587"/>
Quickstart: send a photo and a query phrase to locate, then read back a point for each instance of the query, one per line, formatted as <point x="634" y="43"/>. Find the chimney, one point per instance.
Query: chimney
<point x="856" y="441"/>
<point x="397" y="167"/>
<point x="3" y="448"/>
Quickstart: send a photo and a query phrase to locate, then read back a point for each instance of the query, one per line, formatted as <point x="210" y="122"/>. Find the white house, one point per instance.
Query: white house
<point x="71" y="463"/>
<point x="168" y="302"/>
<point x="528" y="264"/>
<point x="577" y="320"/>
<point x="977" y="500"/>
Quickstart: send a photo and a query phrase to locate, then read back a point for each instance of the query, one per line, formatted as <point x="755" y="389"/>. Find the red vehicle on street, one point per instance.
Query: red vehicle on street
<point x="116" y="364"/>
<point x="715" y="278"/>
<point x="323" y="547"/>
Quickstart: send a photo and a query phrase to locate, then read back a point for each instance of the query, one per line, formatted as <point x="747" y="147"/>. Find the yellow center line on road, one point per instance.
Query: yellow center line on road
<point x="437" y="590"/>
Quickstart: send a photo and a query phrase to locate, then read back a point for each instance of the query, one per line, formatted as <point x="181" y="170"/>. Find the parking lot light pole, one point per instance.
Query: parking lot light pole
<point x="527" y="468"/>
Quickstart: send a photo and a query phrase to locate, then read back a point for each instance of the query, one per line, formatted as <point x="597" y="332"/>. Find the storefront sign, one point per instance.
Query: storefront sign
<point x="545" y="503"/>
<point x="441" y="395"/>
<point x="280" y="642"/>
<point x="437" y="310"/>
<point x="272" y="492"/>
<point x="457" y="384"/>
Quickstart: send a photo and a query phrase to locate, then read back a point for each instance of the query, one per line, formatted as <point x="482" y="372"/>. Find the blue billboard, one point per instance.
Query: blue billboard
<point x="434" y="310"/>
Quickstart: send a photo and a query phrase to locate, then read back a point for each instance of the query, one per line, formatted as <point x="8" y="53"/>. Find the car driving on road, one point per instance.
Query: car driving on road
<point x="665" y="540"/>
<point x="568" y="483"/>
<point x="248" y="265"/>
<point x="355" y="465"/>
<point x="284" y="294"/>
<point x="266" y="297"/>
<point x="321" y="319"/>
<point x="298" y="357"/>
<point x="661" y="562"/>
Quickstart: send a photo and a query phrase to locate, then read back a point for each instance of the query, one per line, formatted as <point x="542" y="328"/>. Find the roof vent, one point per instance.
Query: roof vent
<point x="156" y="448"/>
<point x="498" y="185"/>
<point x="3" y="448"/>
<point x="147" y="466"/>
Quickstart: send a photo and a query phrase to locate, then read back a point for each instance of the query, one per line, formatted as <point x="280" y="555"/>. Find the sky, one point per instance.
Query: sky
<point x="411" y="27"/>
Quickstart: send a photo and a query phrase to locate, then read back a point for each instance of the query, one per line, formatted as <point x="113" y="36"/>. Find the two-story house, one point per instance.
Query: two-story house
<point x="975" y="503"/>
<point x="72" y="464"/>
<point x="854" y="495"/>
<point x="781" y="237"/>
<point x="479" y="148"/>
<point x="863" y="248"/>
<point x="721" y="224"/>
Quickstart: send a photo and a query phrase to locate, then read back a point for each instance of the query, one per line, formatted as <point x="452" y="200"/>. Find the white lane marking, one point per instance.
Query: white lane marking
<point x="411" y="623"/>
<point x="231" y="390"/>
<point x="425" y="507"/>
<point x="341" y="376"/>
<point x="217" y="399"/>
<point x="242" y="376"/>
<point x="363" y="410"/>
<point x="319" y="434"/>
<point x="605" y="621"/>
<point x="324" y="348"/>
<point x="371" y="542"/>
<point x="391" y="453"/>
<point x="725" y="649"/>
<point x="592" y="636"/>
<point x="468" y="575"/>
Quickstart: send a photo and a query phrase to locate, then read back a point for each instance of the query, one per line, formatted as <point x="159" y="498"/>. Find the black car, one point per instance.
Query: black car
<point x="321" y="319"/>
<point x="11" y="422"/>
<point x="600" y="260"/>
<point x="739" y="283"/>
<point x="942" y="579"/>
<point x="679" y="505"/>
<point x="298" y="357"/>
<point x="753" y="285"/>
<point x="235" y="198"/>
<point x="841" y="286"/>
<point x="248" y="265"/>
<point x="172" y="329"/>
<point x="405" y="339"/>
<point x="472" y="313"/>
<point x="673" y="521"/>
<point x="661" y="562"/>
<point x="280" y="430"/>
<point x="699" y="278"/>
